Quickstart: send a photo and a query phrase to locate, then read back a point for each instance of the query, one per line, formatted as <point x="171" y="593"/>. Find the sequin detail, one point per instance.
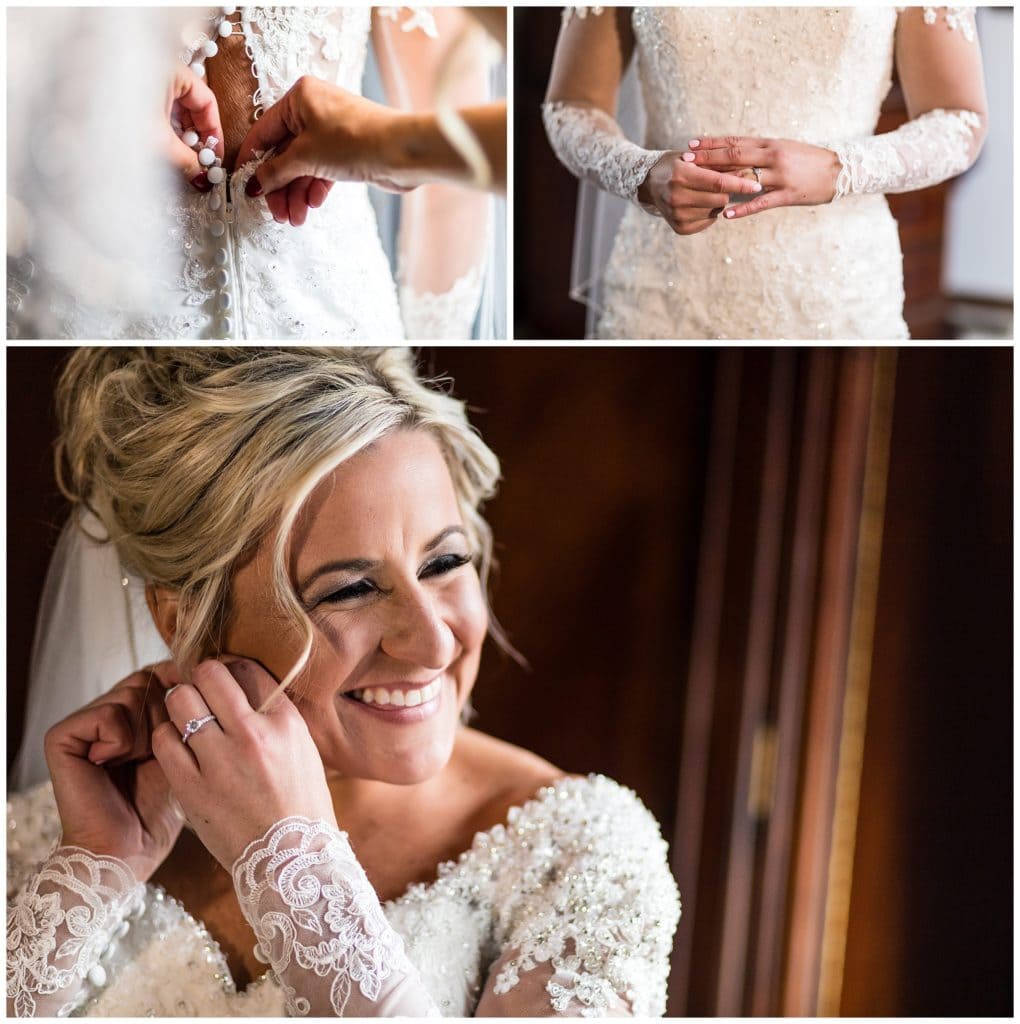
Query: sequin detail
<point x="524" y="897"/>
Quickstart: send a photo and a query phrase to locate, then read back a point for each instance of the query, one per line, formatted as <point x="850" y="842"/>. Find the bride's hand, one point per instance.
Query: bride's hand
<point x="112" y="797"/>
<point x="792" y="173"/>
<point x="191" y="106"/>
<point x="239" y="775"/>
<point x="690" y="198"/>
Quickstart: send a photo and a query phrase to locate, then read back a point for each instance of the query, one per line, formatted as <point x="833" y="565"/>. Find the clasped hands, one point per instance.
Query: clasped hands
<point x="121" y="773"/>
<point x="691" y="189"/>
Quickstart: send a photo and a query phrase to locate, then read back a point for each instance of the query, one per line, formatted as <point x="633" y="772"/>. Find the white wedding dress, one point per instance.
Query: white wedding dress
<point x="221" y="267"/>
<point x="814" y="74"/>
<point x="567" y="908"/>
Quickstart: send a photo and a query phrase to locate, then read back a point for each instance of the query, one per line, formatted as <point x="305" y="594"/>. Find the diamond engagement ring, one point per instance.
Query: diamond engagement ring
<point x="194" y="725"/>
<point x="756" y="171"/>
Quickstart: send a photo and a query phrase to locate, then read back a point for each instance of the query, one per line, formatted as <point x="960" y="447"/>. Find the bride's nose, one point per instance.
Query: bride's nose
<point x="416" y="630"/>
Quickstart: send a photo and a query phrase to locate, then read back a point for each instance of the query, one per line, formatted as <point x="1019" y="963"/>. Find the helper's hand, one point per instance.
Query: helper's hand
<point x="191" y="107"/>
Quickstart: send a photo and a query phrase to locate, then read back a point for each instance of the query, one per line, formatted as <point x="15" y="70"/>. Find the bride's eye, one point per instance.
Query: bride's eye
<point x="443" y="564"/>
<point x="348" y="593"/>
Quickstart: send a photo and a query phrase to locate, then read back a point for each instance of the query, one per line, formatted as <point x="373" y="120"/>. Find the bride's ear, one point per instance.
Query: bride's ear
<point x="163" y="605"/>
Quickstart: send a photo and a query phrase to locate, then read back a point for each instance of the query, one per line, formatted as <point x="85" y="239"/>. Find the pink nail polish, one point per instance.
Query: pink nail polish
<point x="694" y="143"/>
<point x="756" y="187"/>
<point x="688" y="157"/>
<point x="730" y="214"/>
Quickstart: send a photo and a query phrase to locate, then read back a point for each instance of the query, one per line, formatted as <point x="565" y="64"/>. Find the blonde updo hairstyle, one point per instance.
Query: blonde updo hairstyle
<point x="189" y="457"/>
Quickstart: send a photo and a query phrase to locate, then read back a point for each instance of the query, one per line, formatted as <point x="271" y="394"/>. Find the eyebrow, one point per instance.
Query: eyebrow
<point x="364" y="564"/>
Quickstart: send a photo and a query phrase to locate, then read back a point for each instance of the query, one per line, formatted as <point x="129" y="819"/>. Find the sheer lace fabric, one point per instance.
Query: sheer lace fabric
<point x="567" y="908"/>
<point x="58" y="926"/>
<point x="933" y="147"/>
<point x="590" y="144"/>
<point x="813" y="74"/>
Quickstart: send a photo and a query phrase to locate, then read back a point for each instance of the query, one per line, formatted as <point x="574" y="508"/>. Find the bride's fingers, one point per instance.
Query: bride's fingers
<point x="766" y="201"/>
<point x="701" y="178"/>
<point x="701" y="200"/>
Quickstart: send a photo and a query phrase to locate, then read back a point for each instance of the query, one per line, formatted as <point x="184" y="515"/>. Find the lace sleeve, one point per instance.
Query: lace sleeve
<point x="319" y="925"/>
<point x="59" y="925"/>
<point x="932" y="148"/>
<point x="589" y="143"/>
<point x="940" y="76"/>
<point x="589" y="921"/>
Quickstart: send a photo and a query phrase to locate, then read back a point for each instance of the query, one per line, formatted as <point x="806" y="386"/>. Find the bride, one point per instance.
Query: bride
<point x="214" y="264"/>
<point x="307" y="523"/>
<point x="756" y="202"/>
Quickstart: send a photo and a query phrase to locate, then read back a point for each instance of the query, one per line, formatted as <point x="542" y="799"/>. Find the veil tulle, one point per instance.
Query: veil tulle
<point x="92" y="630"/>
<point x="599" y="213"/>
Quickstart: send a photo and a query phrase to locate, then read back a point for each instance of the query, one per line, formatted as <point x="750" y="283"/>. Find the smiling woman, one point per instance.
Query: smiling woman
<point x="307" y="526"/>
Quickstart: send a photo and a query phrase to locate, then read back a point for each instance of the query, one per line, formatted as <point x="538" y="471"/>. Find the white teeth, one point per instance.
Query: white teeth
<point x="398" y="698"/>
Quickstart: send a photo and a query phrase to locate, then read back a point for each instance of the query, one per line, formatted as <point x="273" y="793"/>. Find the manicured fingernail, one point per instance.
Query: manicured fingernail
<point x="694" y="143"/>
<point x="201" y="182"/>
<point x="688" y="157"/>
<point x="166" y="696"/>
<point x="730" y="214"/>
<point x="100" y="762"/>
<point x="756" y="187"/>
<point x="253" y="188"/>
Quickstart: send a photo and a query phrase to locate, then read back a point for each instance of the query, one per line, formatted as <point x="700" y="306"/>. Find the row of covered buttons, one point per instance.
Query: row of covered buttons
<point x="222" y="27"/>
<point x="218" y="225"/>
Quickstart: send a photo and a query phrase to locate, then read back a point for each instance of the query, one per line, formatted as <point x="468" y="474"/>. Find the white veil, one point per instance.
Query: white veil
<point x="92" y="630"/>
<point x="599" y="213"/>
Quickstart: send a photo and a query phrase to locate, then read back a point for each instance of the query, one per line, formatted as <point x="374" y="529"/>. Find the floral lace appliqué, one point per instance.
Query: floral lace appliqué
<point x="590" y="144"/>
<point x="310" y="905"/>
<point x="931" y="148"/>
<point x="58" y="927"/>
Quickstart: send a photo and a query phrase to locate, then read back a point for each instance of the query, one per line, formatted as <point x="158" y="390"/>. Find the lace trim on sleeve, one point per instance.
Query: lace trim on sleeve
<point x="589" y="144"/>
<point x="60" y="924"/>
<point x="319" y="924"/>
<point x="417" y="18"/>
<point x="925" y="151"/>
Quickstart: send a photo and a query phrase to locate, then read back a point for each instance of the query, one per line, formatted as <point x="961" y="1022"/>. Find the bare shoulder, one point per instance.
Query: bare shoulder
<point x="502" y="775"/>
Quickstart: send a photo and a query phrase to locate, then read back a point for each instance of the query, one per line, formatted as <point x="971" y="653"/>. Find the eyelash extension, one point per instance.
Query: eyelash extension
<point x="437" y="567"/>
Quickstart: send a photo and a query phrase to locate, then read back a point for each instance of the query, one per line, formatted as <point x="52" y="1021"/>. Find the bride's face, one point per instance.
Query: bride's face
<point x="382" y="564"/>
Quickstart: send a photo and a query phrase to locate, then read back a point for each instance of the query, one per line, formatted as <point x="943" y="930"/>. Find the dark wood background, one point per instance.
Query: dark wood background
<point x="602" y="526"/>
<point x="545" y="196"/>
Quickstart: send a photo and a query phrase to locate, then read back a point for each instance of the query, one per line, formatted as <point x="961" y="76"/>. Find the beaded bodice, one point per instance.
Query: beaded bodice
<point x="570" y="875"/>
<point x="808" y="73"/>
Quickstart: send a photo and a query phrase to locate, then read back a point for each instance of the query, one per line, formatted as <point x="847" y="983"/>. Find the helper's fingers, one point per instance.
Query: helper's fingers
<point x="199" y="101"/>
<point x="732" y="156"/>
<point x="271" y="130"/>
<point x="317" y="192"/>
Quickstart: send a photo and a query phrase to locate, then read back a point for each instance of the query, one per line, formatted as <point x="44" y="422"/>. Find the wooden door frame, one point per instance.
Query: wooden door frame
<point x="777" y="684"/>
